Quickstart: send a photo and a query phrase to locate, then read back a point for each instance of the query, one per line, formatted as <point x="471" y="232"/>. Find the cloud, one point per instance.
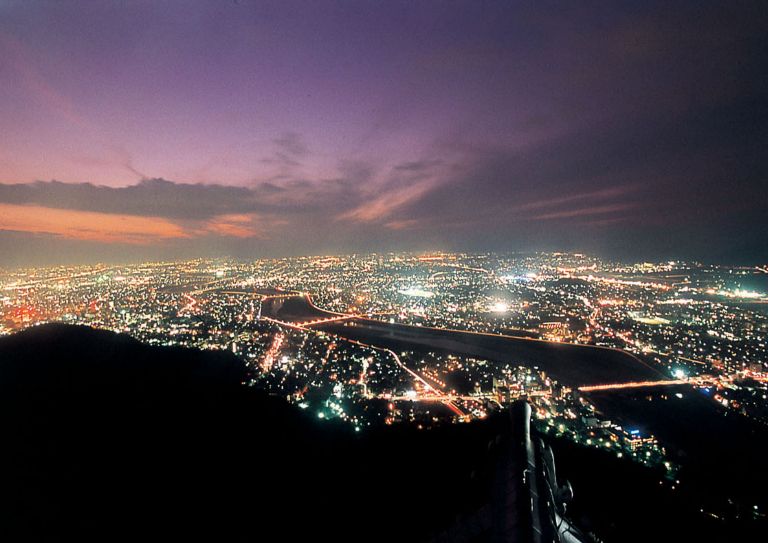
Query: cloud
<point x="387" y="203"/>
<point x="406" y="183"/>
<point x="237" y="226"/>
<point x="165" y="209"/>
<point x="17" y="57"/>
<point x="416" y="166"/>
<point x="291" y="144"/>
<point x="113" y="155"/>
<point x="121" y="228"/>
<point x="186" y="201"/>
<point x="402" y="225"/>
<point x="558" y="201"/>
<point x="149" y="197"/>
<point x="88" y="226"/>
<point x="152" y="210"/>
<point x="584" y="211"/>
<point x="653" y="174"/>
<point x="289" y="153"/>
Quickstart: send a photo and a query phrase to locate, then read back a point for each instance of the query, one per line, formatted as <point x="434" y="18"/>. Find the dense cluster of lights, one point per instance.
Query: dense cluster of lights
<point x="698" y="324"/>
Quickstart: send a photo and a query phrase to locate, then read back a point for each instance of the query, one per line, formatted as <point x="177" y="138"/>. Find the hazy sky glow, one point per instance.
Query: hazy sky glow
<point x="133" y="130"/>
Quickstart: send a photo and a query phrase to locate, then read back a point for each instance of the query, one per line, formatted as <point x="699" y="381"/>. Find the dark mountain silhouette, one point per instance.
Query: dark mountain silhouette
<point x="106" y="438"/>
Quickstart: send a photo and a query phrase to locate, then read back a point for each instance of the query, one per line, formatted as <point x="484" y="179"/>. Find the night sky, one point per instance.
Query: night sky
<point x="161" y="130"/>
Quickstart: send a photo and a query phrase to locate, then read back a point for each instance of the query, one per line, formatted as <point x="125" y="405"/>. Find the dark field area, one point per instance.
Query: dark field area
<point x="572" y="365"/>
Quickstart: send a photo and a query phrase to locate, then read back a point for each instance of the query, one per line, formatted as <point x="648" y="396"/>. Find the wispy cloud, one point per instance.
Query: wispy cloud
<point x="600" y="194"/>
<point x="584" y="211"/>
<point x="387" y="203"/>
<point x="406" y="224"/>
<point x="290" y="151"/>
<point x="237" y="226"/>
<point x="19" y="60"/>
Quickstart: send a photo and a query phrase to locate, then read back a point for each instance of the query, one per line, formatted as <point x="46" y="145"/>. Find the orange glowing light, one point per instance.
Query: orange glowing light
<point x="118" y="228"/>
<point x="87" y="225"/>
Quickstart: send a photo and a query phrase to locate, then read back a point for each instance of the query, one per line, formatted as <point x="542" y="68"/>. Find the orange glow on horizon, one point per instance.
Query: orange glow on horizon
<point x="115" y="228"/>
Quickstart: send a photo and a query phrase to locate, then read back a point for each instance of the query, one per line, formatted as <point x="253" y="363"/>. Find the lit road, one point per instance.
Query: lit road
<point x="444" y="398"/>
<point x="701" y="380"/>
<point x="274" y="349"/>
<point x="192" y="303"/>
<point x="329" y="319"/>
<point x="439" y="397"/>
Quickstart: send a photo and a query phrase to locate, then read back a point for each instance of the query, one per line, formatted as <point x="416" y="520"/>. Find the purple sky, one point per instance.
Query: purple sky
<point x="174" y="129"/>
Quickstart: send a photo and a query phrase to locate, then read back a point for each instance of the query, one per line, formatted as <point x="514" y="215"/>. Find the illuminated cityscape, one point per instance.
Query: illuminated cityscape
<point x="353" y="337"/>
<point x="434" y="271"/>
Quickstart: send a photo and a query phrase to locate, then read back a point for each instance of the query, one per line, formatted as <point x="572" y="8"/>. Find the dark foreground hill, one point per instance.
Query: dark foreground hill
<point x="105" y="438"/>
